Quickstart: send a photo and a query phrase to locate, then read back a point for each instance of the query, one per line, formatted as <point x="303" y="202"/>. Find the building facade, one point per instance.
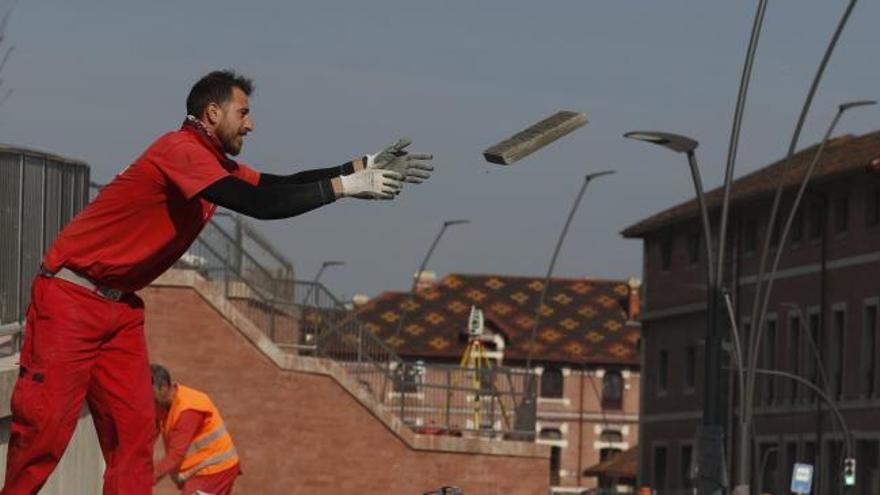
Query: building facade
<point x="585" y="355"/>
<point x="826" y="291"/>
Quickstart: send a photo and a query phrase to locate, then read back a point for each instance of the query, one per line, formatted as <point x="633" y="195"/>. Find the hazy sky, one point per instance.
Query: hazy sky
<point x="100" y="80"/>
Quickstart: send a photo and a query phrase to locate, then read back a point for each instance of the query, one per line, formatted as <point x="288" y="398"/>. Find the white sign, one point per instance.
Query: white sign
<point x="802" y="478"/>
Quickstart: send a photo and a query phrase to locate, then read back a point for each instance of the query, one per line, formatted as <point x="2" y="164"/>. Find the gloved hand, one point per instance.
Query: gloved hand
<point x="371" y="183"/>
<point x="414" y="167"/>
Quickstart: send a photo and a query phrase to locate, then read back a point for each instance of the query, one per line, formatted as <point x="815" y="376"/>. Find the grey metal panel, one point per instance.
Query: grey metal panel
<point x="32" y="233"/>
<point x="67" y="192"/>
<point x="10" y="177"/>
<point x="53" y="200"/>
<point x="39" y="193"/>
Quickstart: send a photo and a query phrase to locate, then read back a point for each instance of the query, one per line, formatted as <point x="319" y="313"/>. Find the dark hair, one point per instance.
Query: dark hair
<point x="160" y="375"/>
<point x="216" y="87"/>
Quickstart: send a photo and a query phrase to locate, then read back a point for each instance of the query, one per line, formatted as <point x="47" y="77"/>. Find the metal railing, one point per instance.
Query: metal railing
<point x="431" y="398"/>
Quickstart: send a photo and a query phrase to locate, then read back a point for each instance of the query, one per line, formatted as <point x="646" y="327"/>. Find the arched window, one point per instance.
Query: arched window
<point x="612" y="390"/>
<point x="551" y="383"/>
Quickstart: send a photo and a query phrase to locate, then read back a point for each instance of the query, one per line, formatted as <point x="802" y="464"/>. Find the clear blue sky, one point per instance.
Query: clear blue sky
<point x="100" y="80"/>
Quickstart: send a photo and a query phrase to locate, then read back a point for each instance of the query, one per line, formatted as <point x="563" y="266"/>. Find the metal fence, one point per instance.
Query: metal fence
<point x="39" y="193"/>
<point x="432" y="398"/>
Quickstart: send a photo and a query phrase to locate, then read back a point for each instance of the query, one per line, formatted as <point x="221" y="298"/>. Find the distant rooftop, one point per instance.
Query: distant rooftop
<point x="843" y="155"/>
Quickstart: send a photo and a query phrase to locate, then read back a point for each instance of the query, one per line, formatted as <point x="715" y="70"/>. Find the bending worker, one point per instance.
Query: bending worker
<point x="84" y="338"/>
<point x="199" y="454"/>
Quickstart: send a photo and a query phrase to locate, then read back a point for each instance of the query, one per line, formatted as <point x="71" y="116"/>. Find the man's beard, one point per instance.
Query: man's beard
<point x="231" y="141"/>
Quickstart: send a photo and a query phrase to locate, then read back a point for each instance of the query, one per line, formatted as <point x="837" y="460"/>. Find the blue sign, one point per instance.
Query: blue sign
<point x="802" y="478"/>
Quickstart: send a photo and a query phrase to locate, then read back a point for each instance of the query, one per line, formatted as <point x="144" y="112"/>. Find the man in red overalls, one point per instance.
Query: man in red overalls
<point x="84" y="332"/>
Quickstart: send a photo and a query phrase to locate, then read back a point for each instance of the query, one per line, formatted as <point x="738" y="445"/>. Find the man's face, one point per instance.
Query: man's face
<point x="162" y="395"/>
<point x="235" y="122"/>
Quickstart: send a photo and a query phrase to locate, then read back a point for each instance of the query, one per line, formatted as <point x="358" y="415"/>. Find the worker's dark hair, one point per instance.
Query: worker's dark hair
<point x="161" y="376"/>
<point x="216" y="87"/>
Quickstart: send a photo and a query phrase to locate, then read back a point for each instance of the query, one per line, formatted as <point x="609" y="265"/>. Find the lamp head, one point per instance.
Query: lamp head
<point x="448" y="223"/>
<point x="853" y="104"/>
<point x="675" y="142"/>
<point x="332" y="263"/>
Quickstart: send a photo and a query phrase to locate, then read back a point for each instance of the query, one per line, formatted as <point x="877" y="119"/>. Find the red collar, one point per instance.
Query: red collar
<point x="197" y="128"/>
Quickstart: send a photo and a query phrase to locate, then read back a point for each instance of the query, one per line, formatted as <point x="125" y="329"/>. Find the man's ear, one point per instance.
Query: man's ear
<point x="213" y="114"/>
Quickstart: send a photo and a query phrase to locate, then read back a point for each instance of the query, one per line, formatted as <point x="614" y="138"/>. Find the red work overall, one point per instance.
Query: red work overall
<point x="80" y="345"/>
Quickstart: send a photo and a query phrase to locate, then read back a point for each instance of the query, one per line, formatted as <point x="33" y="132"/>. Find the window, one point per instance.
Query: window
<point x="838" y="349"/>
<point x="872" y="207"/>
<point x="797" y="227"/>
<point x="690" y="367"/>
<point x="551" y="383"/>
<point x="769" y="360"/>
<point x="694" y="246"/>
<point x="411" y="378"/>
<point x="750" y="235"/>
<point x="768" y="465"/>
<point x="610" y="440"/>
<point x="612" y="390"/>
<point x="869" y="353"/>
<point x="663" y="372"/>
<point x="553" y="434"/>
<point x="660" y="468"/>
<point x="794" y="354"/>
<point x="811" y="368"/>
<point x="841" y="214"/>
<point x="816" y="220"/>
<point x="666" y="253"/>
<point x="686" y="480"/>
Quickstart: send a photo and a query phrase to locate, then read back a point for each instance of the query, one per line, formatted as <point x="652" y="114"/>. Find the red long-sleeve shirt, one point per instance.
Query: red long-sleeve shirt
<point x="181" y="436"/>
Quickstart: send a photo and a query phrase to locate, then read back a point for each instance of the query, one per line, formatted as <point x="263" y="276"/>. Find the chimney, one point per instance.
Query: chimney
<point x="634" y="308"/>
<point x="425" y="279"/>
<point x="359" y="300"/>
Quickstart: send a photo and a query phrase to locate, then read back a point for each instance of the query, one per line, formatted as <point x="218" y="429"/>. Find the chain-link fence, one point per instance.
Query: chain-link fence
<point x="39" y="193"/>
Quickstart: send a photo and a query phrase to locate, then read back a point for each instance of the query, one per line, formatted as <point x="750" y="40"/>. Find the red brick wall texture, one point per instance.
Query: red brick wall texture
<point x="300" y="433"/>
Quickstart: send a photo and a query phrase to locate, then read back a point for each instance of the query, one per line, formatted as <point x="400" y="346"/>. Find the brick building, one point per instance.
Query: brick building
<point x="586" y="353"/>
<point x="826" y="285"/>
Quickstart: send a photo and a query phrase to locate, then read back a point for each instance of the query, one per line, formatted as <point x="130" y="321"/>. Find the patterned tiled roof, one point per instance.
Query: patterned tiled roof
<point x="582" y="320"/>
<point x="843" y="155"/>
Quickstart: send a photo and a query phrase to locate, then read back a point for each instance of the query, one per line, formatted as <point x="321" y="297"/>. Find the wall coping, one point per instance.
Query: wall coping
<point x="214" y="296"/>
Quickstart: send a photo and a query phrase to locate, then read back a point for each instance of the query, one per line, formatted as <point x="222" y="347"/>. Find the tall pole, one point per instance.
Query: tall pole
<point x="746" y="421"/>
<point x="412" y="289"/>
<point x="529" y="394"/>
<point x="315" y="280"/>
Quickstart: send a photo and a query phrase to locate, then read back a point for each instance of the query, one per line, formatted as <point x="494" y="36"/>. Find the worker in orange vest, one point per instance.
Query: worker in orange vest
<point x="199" y="454"/>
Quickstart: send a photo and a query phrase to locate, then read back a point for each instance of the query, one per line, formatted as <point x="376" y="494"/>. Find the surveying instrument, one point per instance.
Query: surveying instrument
<point x="476" y="366"/>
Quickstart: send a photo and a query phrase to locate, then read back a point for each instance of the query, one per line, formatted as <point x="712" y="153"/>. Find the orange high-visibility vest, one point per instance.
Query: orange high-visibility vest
<point x="211" y="450"/>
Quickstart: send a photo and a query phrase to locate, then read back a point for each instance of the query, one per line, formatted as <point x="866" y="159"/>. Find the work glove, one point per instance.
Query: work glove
<point x="371" y="183"/>
<point x="415" y="167"/>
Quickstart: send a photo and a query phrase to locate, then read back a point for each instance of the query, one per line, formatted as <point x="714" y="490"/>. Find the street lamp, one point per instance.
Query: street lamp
<point x="710" y="436"/>
<point x="315" y="280"/>
<point x="526" y="409"/>
<point x="412" y="290"/>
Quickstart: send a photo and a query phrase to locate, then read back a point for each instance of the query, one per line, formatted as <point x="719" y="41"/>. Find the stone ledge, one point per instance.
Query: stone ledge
<point x="209" y="292"/>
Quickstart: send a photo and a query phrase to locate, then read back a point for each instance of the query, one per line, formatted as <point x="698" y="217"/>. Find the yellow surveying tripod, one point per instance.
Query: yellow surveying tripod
<point x="475" y="362"/>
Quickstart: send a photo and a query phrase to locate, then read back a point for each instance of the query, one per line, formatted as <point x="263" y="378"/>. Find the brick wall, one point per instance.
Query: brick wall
<point x="303" y="433"/>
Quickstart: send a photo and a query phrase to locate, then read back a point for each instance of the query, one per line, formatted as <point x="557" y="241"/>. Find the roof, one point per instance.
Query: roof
<point x="843" y="155"/>
<point x="583" y="320"/>
<point x="623" y="465"/>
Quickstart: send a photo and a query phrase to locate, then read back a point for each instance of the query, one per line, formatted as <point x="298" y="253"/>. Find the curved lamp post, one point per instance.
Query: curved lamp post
<point x="412" y="289"/>
<point x="526" y="409"/>
<point x="324" y="266"/>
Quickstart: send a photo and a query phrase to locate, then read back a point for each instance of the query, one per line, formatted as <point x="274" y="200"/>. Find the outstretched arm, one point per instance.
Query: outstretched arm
<point x="314" y="175"/>
<point x="268" y="202"/>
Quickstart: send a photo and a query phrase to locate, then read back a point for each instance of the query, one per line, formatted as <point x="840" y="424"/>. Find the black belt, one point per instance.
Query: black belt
<point x="71" y="276"/>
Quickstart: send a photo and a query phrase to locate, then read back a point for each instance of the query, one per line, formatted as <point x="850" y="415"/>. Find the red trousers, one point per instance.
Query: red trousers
<point x="80" y="346"/>
<point x="212" y="484"/>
